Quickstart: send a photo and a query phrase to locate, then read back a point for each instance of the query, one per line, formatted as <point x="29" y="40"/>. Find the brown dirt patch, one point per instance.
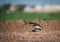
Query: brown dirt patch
<point x="17" y="31"/>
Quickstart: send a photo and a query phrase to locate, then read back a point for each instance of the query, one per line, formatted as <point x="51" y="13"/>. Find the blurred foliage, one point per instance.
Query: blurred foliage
<point x="0" y="10"/>
<point x="6" y="6"/>
<point x="21" y="7"/>
<point x="29" y="16"/>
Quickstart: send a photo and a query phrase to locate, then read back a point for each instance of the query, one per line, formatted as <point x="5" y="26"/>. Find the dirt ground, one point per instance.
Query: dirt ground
<point x="18" y="31"/>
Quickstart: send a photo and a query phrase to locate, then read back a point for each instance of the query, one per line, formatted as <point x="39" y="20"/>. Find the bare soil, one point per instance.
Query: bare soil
<point x="18" y="31"/>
